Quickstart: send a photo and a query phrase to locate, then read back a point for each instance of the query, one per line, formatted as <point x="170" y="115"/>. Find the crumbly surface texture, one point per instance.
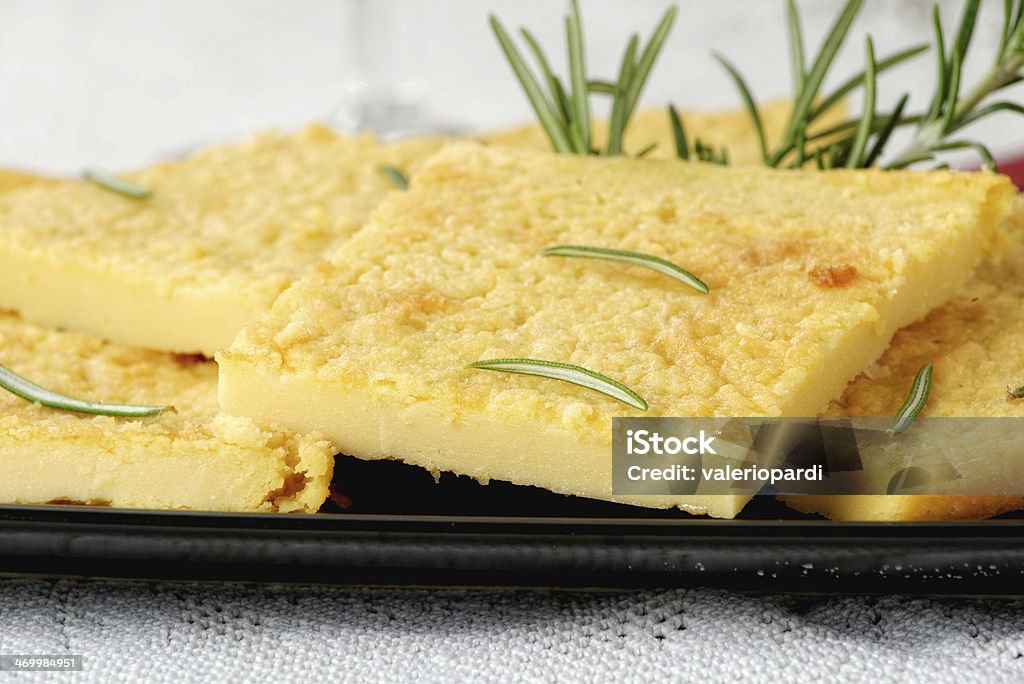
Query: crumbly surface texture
<point x="976" y="345"/>
<point x="225" y="231"/>
<point x="730" y="128"/>
<point x="193" y="457"/>
<point x="370" y="346"/>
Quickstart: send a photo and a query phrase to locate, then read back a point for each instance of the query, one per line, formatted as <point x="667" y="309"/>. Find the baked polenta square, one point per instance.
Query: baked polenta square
<point x="975" y="344"/>
<point x="222" y="234"/>
<point x="192" y="457"/>
<point x="809" y="276"/>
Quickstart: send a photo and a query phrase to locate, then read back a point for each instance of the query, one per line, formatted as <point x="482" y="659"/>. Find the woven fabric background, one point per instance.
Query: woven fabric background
<point x="135" y="632"/>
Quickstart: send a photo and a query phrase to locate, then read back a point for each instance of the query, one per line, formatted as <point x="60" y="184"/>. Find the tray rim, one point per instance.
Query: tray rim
<point x="778" y="556"/>
<point x="342" y="522"/>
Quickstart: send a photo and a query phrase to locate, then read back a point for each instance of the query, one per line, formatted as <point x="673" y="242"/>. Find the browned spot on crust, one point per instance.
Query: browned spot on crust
<point x="76" y="502"/>
<point x="186" y="361"/>
<point x="832" y="276"/>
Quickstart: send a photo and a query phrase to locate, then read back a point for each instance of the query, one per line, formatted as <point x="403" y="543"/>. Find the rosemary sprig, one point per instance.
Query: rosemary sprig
<point x="28" y="390"/>
<point x="396" y="177"/>
<point x="861" y="142"/>
<point x="575" y="375"/>
<point x="951" y="111"/>
<point x="635" y="258"/>
<point x="565" y="115"/>
<point x="809" y="102"/>
<point x="915" y="402"/>
<point x="116" y="184"/>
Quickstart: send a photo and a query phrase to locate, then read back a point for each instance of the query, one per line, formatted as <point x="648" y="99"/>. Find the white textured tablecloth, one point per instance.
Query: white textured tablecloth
<point x="137" y="632"/>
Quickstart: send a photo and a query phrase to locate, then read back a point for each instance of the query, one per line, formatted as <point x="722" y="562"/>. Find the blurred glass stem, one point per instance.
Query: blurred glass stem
<point x="381" y="92"/>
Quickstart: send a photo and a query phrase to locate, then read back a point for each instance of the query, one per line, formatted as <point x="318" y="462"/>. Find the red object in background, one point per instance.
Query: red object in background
<point x="1014" y="168"/>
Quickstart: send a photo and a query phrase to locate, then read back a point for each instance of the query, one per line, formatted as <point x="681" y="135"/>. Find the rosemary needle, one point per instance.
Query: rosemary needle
<point x="395" y="176"/>
<point x="116" y="184"/>
<point x="748" y="103"/>
<point x="859" y="146"/>
<point x="636" y="258"/>
<point x="575" y="375"/>
<point x="580" y="92"/>
<point x="16" y="384"/>
<point x="916" y="400"/>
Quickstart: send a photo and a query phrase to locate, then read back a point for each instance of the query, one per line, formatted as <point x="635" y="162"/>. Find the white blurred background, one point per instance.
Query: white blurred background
<point x="119" y="83"/>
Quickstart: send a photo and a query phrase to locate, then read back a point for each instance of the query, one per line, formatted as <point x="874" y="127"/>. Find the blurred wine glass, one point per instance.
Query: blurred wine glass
<point x="385" y="90"/>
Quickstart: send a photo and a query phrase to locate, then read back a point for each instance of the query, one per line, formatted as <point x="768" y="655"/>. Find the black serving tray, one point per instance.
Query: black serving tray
<point x="403" y="528"/>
